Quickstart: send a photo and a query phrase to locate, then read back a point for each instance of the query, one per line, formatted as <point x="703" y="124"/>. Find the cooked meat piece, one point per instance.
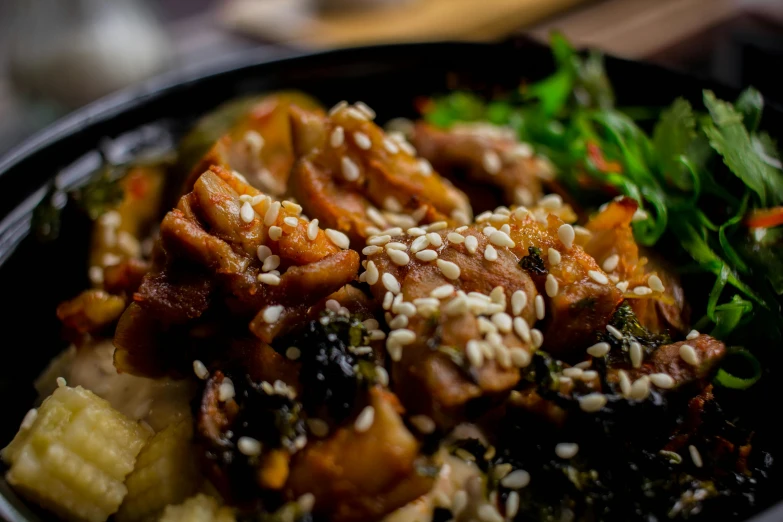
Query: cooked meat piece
<point x="484" y="154"/>
<point x="236" y="254"/>
<point x="353" y="177"/>
<point x="125" y="278"/>
<point x="667" y="359"/>
<point x="91" y="311"/>
<point x="612" y="244"/>
<point x="433" y="355"/>
<point x="361" y="476"/>
<point x="251" y="136"/>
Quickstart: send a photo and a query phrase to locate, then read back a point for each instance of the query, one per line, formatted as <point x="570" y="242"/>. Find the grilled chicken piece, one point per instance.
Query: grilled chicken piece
<point x="353" y="177"/>
<point x="360" y="476"/>
<point x="208" y="260"/>
<point x="612" y="244"/>
<point x="251" y="136"/>
<point x="484" y="154"/>
<point x="431" y="349"/>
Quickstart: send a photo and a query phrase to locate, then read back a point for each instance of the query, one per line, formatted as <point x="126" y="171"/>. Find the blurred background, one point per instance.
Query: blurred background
<point x="57" y="55"/>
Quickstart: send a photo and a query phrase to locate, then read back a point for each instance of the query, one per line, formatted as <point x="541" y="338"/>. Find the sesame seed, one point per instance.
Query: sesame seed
<point x="332" y="304"/>
<point x="662" y="380"/>
<point x="551" y="286"/>
<point x="372" y="231"/>
<point x="292" y="207"/>
<point x="449" y="269"/>
<point x="420" y="243"/>
<point x="622" y="286"/>
<point x="636" y="354"/>
<point x="695" y="456"/>
<point x="415" y="231"/>
<point x="460" y="216"/>
<point x="640" y="389"/>
<point x="573" y="373"/>
<point x="642" y="290"/>
<point x="455" y="238"/>
<point x="272" y="313"/>
<point x="599" y="349"/>
<point x="518" y="302"/>
<point x="275" y="233"/>
<point x="551" y="201"/>
<point x="625" y="383"/>
<point x="554" y="256"/>
<point x="471" y="244"/>
<point x="254" y="140"/>
<point x="598" y="277"/>
<point x="371" y="324"/>
<point x="263" y="252"/>
<point x="226" y="390"/>
<point x="376" y="335"/>
<point x="423" y="423"/>
<point x="540" y="309"/>
<point x="403" y="336"/>
<point x="293" y="353"/>
<point x="517" y="479"/>
<point x="396" y="245"/>
<point x="337" y="137"/>
<point x="592" y="402"/>
<point x="390" y="283"/>
<point x="610" y="263"/>
<point x="442" y="291"/>
<point x="271" y="214"/>
<point x="489" y="513"/>
<point x="488" y="230"/>
<point x="371" y="250"/>
<point x="503" y="321"/>
<point x="246" y="212"/>
<point x="490" y="254"/>
<point x="639" y="215"/>
<point x="537" y="337"/>
<point x="457" y="306"/>
<point x="501" y="239"/>
<point x="249" y="446"/>
<point x="394" y="231"/>
<point x="382" y="375"/>
<point x="427" y="255"/>
<point x="614" y="331"/>
<point x="388" y="298"/>
<point x="199" y="369"/>
<point x="372" y="273"/>
<point x="401" y="321"/>
<point x="424" y="167"/>
<point x="337" y="108"/>
<point x="566" y="450"/>
<point x="589" y="375"/>
<point x="379" y="240"/>
<point x="566" y="234"/>
<point x="693" y="334"/>
<point x="269" y="279"/>
<point x="484" y="216"/>
<point x="473" y="351"/>
<point x="349" y="169"/>
<point x="434" y="239"/>
<point x="365" y="109"/>
<point x="519" y="357"/>
<point x="338" y="238"/>
<point x="271" y="263"/>
<point x="291" y="221"/>
<point x="655" y="283"/>
<point x="390" y="146"/>
<point x="689" y="355"/>
<point x="491" y="162"/>
<point x="362" y="140"/>
<point x="459" y="501"/>
<point x="95" y="273"/>
<point x="398" y="257"/>
<point x="522" y="329"/>
<point x="29" y="419"/>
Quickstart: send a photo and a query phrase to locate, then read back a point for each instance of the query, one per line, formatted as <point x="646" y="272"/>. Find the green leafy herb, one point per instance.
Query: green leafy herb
<point x="533" y="263"/>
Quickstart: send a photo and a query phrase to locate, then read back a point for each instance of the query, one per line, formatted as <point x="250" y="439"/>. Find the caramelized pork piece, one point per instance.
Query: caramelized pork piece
<point x="653" y="290"/>
<point x="91" y="311"/>
<point x="463" y="302"/>
<point x="484" y="154"/>
<point x="250" y="136"/>
<point x="226" y="249"/>
<point x="354" y="178"/>
<point x="360" y="473"/>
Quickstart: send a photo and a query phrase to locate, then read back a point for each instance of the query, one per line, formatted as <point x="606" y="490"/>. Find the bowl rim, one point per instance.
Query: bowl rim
<point x="115" y="104"/>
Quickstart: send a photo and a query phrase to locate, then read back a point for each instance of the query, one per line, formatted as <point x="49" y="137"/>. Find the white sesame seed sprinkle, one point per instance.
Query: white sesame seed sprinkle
<point x="403" y="336"/>
<point x="488" y="230"/>
<point x="449" y="269"/>
<point x="592" y="402"/>
<point x="522" y="329"/>
<point x="473" y="351"/>
<point x="491" y="162"/>
<point x="398" y="257"/>
<point x="275" y="233"/>
<point x="349" y="169"/>
<point x="271" y="263"/>
<point x="434" y="239"/>
<point x="625" y="383"/>
<point x="365" y="109"/>
<point x="517" y="479"/>
<point x="362" y="140"/>
<point x="693" y="334"/>
<point x="312" y="230"/>
<point x="338" y="238"/>
<point x="518" y="302"/>
<point x="442" y="291"/>
<point x="566" y="234"/>
<point x="29" y="419"/>
<point x="484" y="216"/>
<point x="424" y="167"/>
<point x="655" y="283"/>
<point x="337" y="138"/>
<point x="271" y="214"/>
<point x="263" y="252"/>
<point x="226" y="390"/>
<point x="337" y="108"/>
<point x="293" y="353"/>
<point x="573" y="372"/>
<point x="423" y="423"/>
<point x="372" y="273"/>
<point x="471" y="244"/>
<point x="519" y="357"/>
<point x="269" y="279"/>
<point x="415" y="231"/>
<point x="554" y="256"/>
<point x="371" y="250"/>
<point x="247" y="213"/>
<point x="272" y="313"/>
<point x="390" y="283"/>
<point x="503" y="321"/>
<point x="537" y="338"/>
<point x="249" y="446"/>
<point x="689" y="355"/>
<point x="636" y="354"/>
<point x="640" y="389"/>
<point x="614" y="331"/>
<point x="401" y="321"/>
<point x="455" y="238"/>
<point x="390" y="146"/>
<point x="610" y="263"/>
<point x="291" y="221"/>
<point x="598" y="277"/>
<point x="662" y="380"/>
<point x="551" y="286"/>
<point x="200" y="370"/>
<point x="540" y="307"/>
<point x="566" y="450"/>
<point x="695" y="456"/>
<point x="599" y="349"/>
<point x="396" y="245"/>
<point x="427" y="255"/>
<point x="379" y="240"/>
<point x="388" y="298"/>
<point x="501" y="239"/>
<point x="420" y="243"/>
<point x="490" y="254"/>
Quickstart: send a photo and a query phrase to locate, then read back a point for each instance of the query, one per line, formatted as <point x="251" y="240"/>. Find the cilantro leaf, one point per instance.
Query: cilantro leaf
<point x="750" y="104"/>
<point x="672" y="138"/>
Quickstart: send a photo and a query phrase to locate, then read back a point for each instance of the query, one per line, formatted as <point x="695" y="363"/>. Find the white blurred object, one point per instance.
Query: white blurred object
<point x="74" y="51"/>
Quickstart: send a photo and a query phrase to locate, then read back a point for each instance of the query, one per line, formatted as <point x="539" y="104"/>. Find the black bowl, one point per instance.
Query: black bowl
<point x="36" y="276"/>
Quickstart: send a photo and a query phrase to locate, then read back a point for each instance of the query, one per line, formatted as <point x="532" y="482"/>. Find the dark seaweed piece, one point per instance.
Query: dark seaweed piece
<point x="101" y="193"/>
<point x="533" y="263"/>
